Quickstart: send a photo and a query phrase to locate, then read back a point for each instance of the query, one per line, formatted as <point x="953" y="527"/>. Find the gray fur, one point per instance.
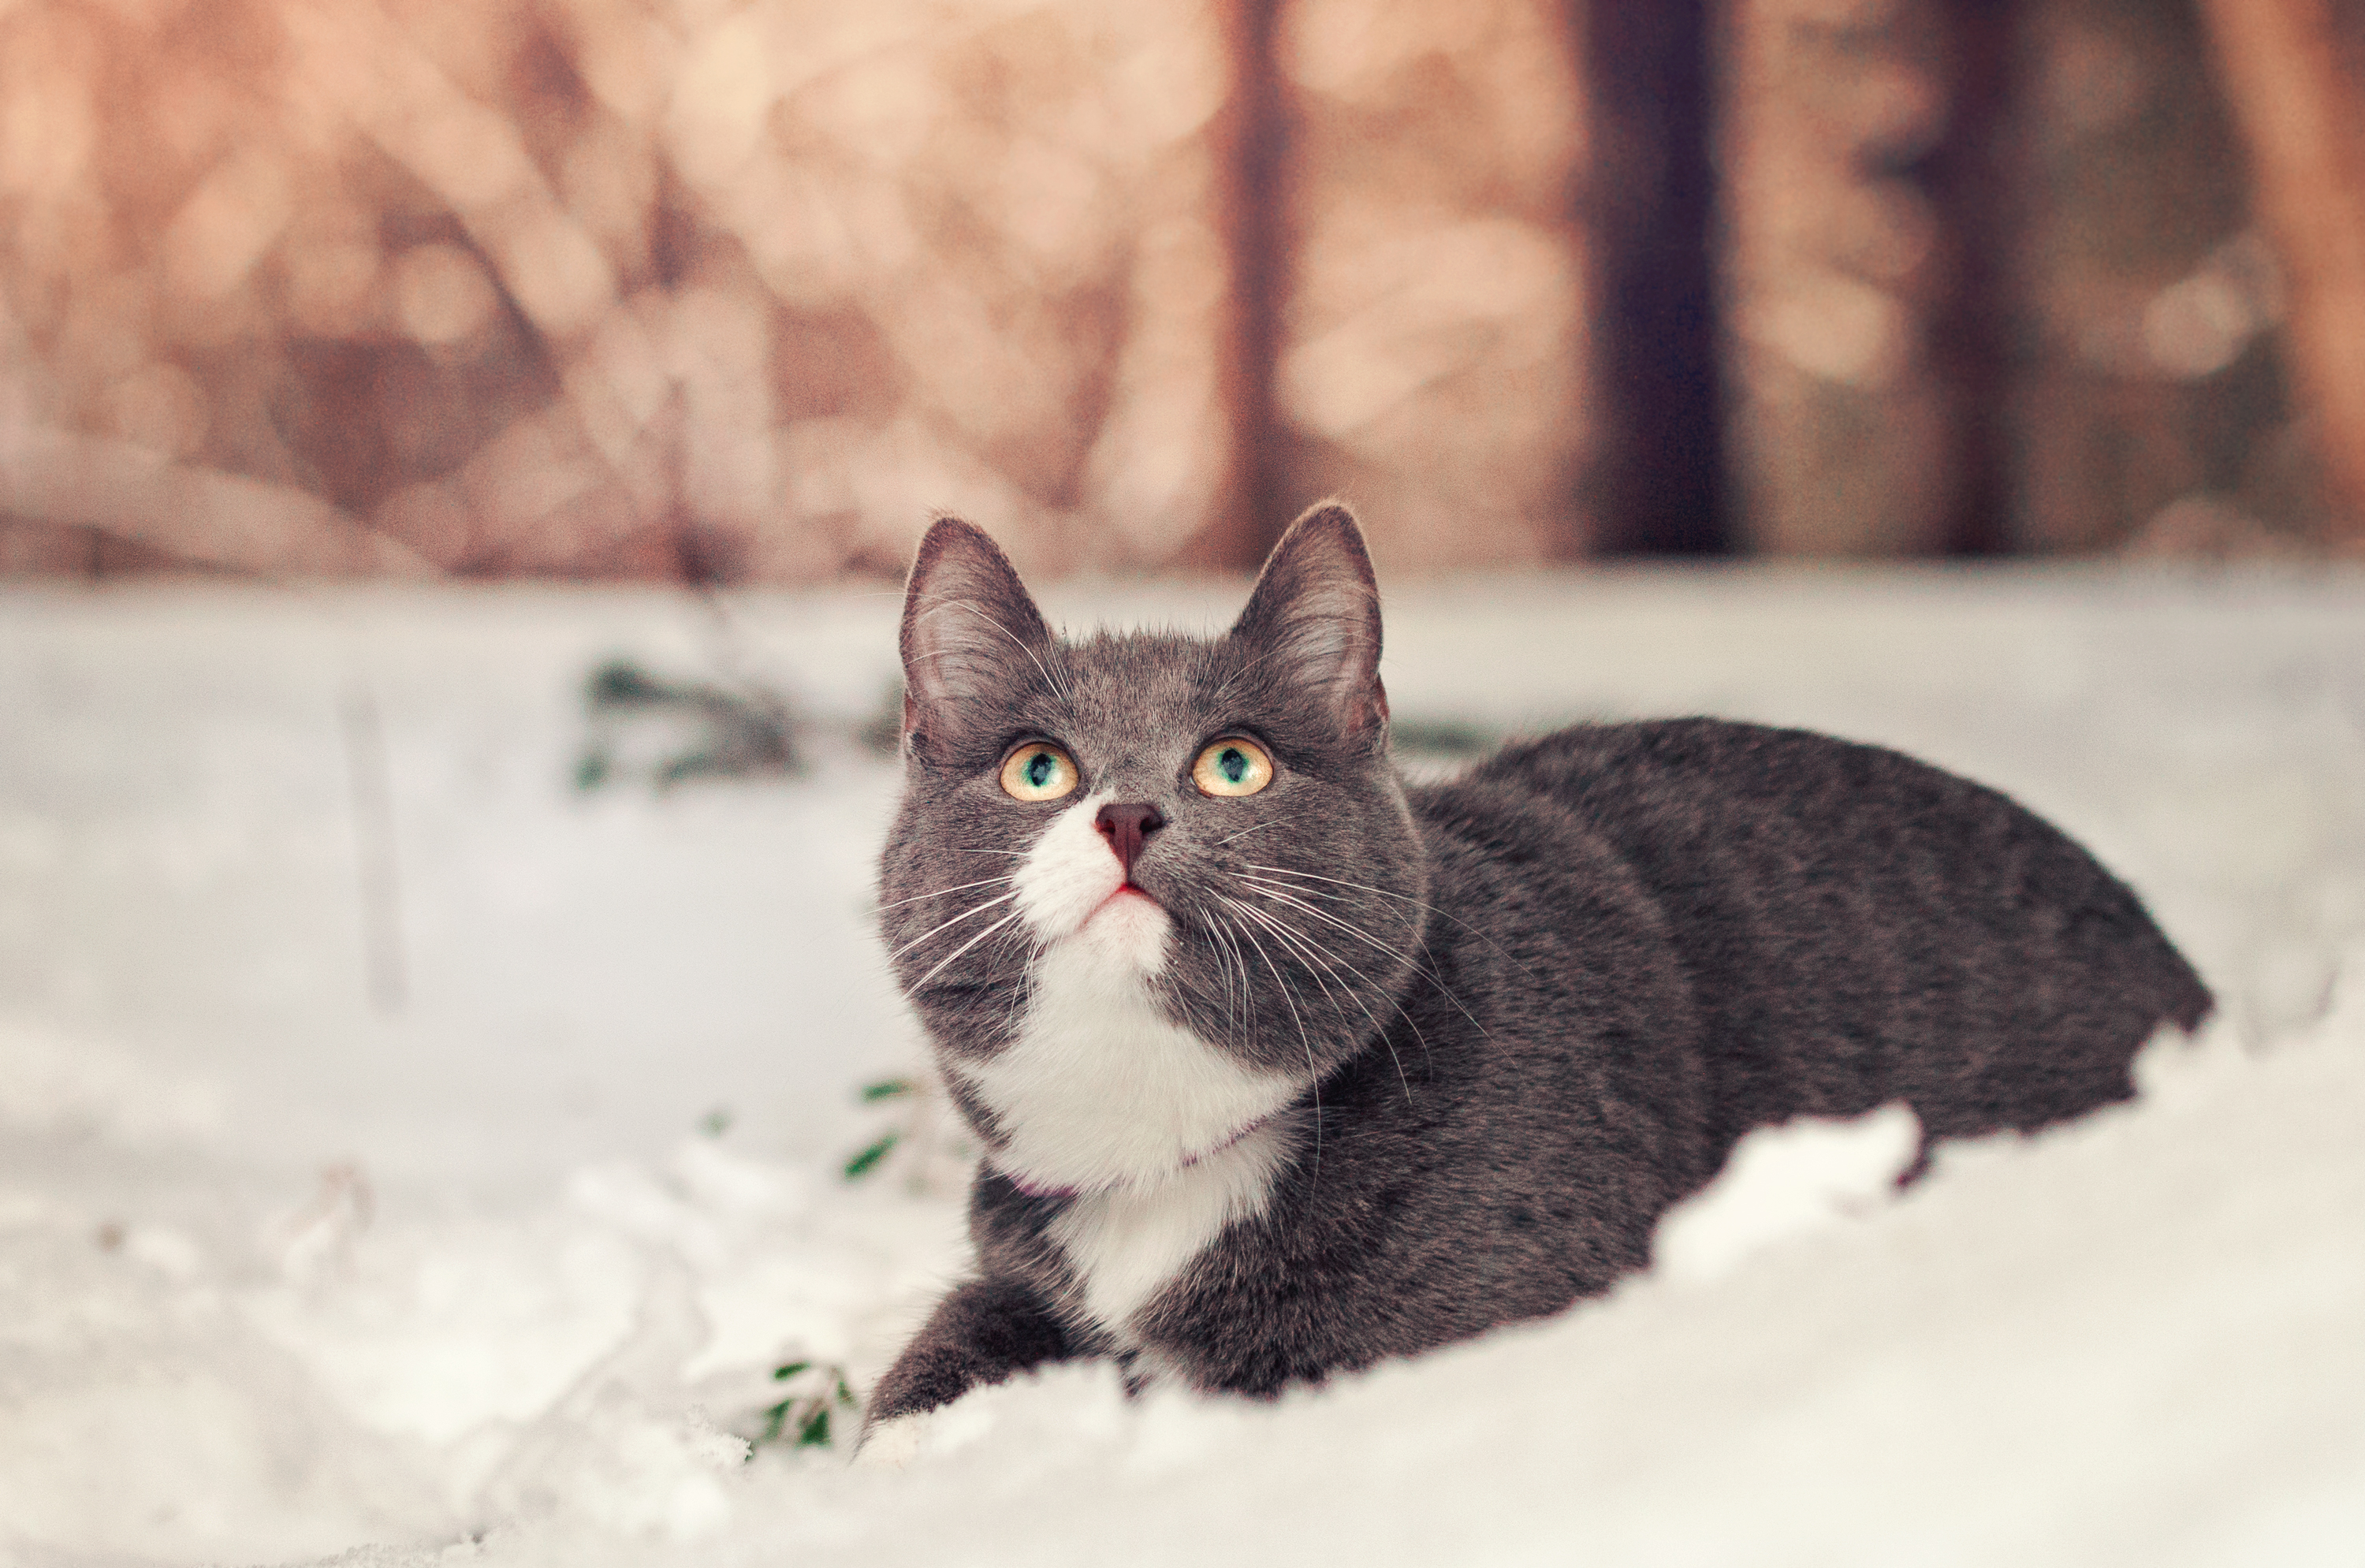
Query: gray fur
<point x="1528" y="1009"/>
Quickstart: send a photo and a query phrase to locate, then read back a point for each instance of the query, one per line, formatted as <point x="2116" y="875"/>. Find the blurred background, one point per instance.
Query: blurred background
<point x="684" y="290"/>
<point x="431" y="1105"/>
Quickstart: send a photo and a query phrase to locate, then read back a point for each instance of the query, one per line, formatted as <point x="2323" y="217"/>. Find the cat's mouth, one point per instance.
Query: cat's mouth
<point x="1124" y="891"/>
<point x="1128" y="927"/>
<point x="1127" y="907"/>
<point x="1124" y="901"/>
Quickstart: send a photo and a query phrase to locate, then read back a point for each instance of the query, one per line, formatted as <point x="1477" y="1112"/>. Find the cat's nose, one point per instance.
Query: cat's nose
<point x="1126" y="828"/>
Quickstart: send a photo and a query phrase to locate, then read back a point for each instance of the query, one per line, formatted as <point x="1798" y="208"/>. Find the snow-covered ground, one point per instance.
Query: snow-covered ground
<point x="479" y="1244"/>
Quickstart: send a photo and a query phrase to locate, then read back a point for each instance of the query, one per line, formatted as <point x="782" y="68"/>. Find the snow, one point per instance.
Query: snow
<point x="1782" y="1182"/>
<point x="487" y="1257"/>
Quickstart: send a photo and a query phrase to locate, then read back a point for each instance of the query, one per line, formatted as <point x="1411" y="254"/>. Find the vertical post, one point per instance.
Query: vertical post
<point x="1253" y="154"/>
<point x="2299" y="111"/>
<point x="1968" y="179"/>
<point x="1650" y="206"/>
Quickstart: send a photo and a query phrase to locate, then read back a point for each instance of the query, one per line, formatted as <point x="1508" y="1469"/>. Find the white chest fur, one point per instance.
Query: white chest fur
<point x="1100" y="1090"/>
<point x="1100" y="1095"/>
<point x="1126" y="1244"/>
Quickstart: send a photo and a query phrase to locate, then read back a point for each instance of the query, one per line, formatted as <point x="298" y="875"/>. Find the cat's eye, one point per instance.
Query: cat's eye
<point x="1232" y="766"/>
<point x="1038" y="771"/>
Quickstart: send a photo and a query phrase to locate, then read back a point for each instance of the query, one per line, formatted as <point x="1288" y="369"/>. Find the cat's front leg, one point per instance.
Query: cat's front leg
<point x="985" y="1331"/>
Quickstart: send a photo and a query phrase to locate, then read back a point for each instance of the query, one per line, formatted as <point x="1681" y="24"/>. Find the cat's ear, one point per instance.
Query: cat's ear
<point x="972" y="638"/>
<point x="1313" y="619"/>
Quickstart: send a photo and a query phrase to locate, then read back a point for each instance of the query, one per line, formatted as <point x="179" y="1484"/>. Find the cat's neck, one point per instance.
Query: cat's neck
<point x="1099" y="1091"/>
<point x="1033" y="1188"/>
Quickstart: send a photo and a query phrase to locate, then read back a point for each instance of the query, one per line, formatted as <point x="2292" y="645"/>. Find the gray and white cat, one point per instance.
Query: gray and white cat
<point x="1283" y="1068"/>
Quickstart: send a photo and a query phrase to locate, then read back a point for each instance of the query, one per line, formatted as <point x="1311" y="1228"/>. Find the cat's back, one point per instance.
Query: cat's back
<point x="1858" y="927"/>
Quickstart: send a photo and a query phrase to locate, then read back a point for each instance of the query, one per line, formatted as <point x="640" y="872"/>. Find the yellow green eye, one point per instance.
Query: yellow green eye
<point x="1037" y="771"/>
<point x="1232" y="766"/>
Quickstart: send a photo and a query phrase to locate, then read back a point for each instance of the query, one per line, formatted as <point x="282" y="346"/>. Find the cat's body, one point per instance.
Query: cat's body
<point x="1290" y="1080"/>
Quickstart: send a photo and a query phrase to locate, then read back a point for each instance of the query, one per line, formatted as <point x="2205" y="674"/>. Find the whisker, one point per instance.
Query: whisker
<point x="922" y="983"/>
<point x="1296" y="943"/>
<point x="1227" y="956"/>
<point x="1303" y="944"/>
<point x="1239" y="999"/>
<point x="955" y="920"/>
<point x="1234" y="933"/>
<point x="1020" y="995"/>
<point x="961" y="888"/>
<point x="1303" y="1037"/>
<point x="1274" y="890"/>
<point x="1321" y="962"/>
<point x="1378" y="1032"/>
<point x="1414" y="926"/>
<point x="1416" y="903"/>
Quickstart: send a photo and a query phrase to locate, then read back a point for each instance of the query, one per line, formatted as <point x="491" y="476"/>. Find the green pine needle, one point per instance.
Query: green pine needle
<point x="863" y="1163"/>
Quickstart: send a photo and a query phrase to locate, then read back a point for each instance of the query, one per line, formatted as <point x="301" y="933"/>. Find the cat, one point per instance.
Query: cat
<point x="1282" y="1067"/>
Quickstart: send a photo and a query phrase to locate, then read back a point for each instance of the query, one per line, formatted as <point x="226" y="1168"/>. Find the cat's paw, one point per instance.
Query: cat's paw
<point x="893" y="1444"/>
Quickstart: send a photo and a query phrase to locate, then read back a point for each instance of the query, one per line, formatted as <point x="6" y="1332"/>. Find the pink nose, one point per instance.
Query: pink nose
<point x="1126" y="828"/>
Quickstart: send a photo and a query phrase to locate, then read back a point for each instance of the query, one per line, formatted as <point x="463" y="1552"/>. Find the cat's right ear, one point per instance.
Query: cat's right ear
<point x="972" y="638"/>
<point x="1315" y="618"/>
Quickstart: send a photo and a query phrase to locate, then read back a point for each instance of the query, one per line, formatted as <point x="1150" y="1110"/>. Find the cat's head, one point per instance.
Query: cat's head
<point x="1158" y="877"/>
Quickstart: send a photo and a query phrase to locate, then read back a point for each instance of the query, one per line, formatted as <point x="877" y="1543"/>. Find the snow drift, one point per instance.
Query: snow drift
<point x="497" y="1267"/>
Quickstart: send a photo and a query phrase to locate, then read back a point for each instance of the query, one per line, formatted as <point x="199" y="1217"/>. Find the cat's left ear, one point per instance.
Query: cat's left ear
<point x="1313" y="619"/>
<point x="972" y="638"/>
